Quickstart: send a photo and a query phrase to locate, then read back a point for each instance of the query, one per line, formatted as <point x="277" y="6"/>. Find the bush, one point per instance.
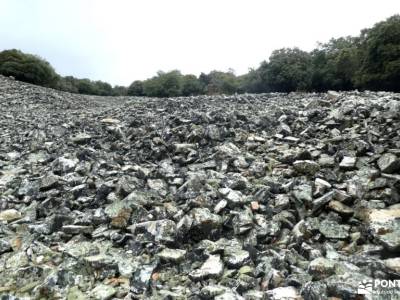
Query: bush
<point x="67" y="84"/>
<point x="191" y="86"/>
<point x="164" y="84"/>
<point x="119" y="90"/>
<point x="220" y="82"/>
<point x="136" y="88"/>
<point x="27" y="67"/>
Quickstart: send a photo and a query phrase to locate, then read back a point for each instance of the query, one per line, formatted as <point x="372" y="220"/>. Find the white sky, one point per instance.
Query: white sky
<point x="120" y="41"/>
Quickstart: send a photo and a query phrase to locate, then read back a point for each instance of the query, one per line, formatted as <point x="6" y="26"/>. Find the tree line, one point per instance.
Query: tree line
<point x="370" y="61"/>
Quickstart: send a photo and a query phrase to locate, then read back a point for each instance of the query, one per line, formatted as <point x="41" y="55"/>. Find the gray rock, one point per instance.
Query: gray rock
<point x="49" y="182"/>
<point x="341" y="208"/>
<point x="333" y="230"/>
<point x="314" y="290"/>
<point x="283" y="293"/>
<point x="173" y="255"/>
<point x="4" y="246"/>
<point x="64" y="165"/>
<point x="157" y="185"/>
<point x="235" y="257"/>
<point x="267" y="196"/>
<point x="77" y="229"/>
<point x="234" y="198"/>
<point x="243" y="222"/>
<point x="326" y="161"/>
<point x="211" y="268"/>
<point x="81" y="138"/>
<point x="141" y="279"/>
<point x="345" y="286"/>
<point x="220" y="206"/>
<point x="384" y="225"/>
<point x="10" y="215"/>
<point x="348" y="163"/>
<point x="389" y="163"/>
<point x="393" y="264"/>
<point x="319" y="203"/>
<point x="282" y="201"/>
<point x="254" y="295"/>
<point x="303" y="193"/>
<point x="163" y="231"/>
<point x="333" y="95"/>
<point x="211" y="291"/>
<point x="103" y="292"/>
<point x="321" y="268"/>
<point x="307" y="167"/>
<point x="204" y="221"/>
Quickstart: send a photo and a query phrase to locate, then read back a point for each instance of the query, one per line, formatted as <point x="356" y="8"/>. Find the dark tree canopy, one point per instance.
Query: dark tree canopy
<point x="335" y="64"/>
<point x="380" y="69"/>
<point x="191" y="86"/>
<point x="165" y="84"/>
<point x="289" y="70"/>
<point x="136" y="88"/>
<point x="221" y="83"/>
<point x="27" y="67"/>
<point x="370" y="61"/>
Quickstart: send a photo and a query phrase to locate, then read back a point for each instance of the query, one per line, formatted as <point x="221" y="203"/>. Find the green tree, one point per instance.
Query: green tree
<point x="255" y="81"/>
<point x="27" y="67"/>
<point x="102" y="88"/>
<point x="119" y="90"/>
<point x="191" y="85"/>
<point x="165" y="84"/>
<point x="380" y="69"/>
<point x="335" y="64"/>
<point x="288" y="70"/>
<point x="220" y="82"/>
<point x="136" y="88"/>
<point x="85" y="86"/>
<point x="67" y="84"/>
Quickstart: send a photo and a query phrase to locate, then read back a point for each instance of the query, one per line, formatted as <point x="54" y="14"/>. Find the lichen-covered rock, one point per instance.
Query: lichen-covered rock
<point x="172" y="255"/>
<point x="341" y="208"/>
<point x="389" y="163"/>
<point x="348" y="163"/>
<point x="204" y="221"/>
<point x="267" y="196"/>
<point x="333" y="230"/>
<point x="10" y="215"/>
<point x="211" y="268"/>
<point x="307" y="167"/>
<point x="5" y="246"/>
<point x="384" y="225"/>
<point x="235" y="257"/>
<point x="321" y="268"/>
<point x="283" y="293"/>
<point x="103" y="292"/>
<point x="163" y="231"/>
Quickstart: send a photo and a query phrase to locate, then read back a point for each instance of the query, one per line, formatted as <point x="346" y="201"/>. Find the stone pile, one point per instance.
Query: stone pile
<point x="269" y="196"/>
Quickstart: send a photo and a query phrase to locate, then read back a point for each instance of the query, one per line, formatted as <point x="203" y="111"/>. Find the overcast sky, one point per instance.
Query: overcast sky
<point x="120" y="41"/>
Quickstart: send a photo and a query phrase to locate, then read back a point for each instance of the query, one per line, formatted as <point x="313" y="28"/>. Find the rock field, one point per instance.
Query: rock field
<point x="269" y="196"/>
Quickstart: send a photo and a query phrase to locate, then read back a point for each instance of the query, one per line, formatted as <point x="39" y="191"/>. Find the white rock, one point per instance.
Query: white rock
<point x="110" y="121"/>
<point x="284" y="293"/>
<point x="10" y="215"/>
<point x="212" y="268"/>
<point x="174" y="255"/>
<point x="348" y="162"/>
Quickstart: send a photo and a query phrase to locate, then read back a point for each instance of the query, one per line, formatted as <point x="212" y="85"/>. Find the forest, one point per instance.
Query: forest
<point x="369" y="61"/>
